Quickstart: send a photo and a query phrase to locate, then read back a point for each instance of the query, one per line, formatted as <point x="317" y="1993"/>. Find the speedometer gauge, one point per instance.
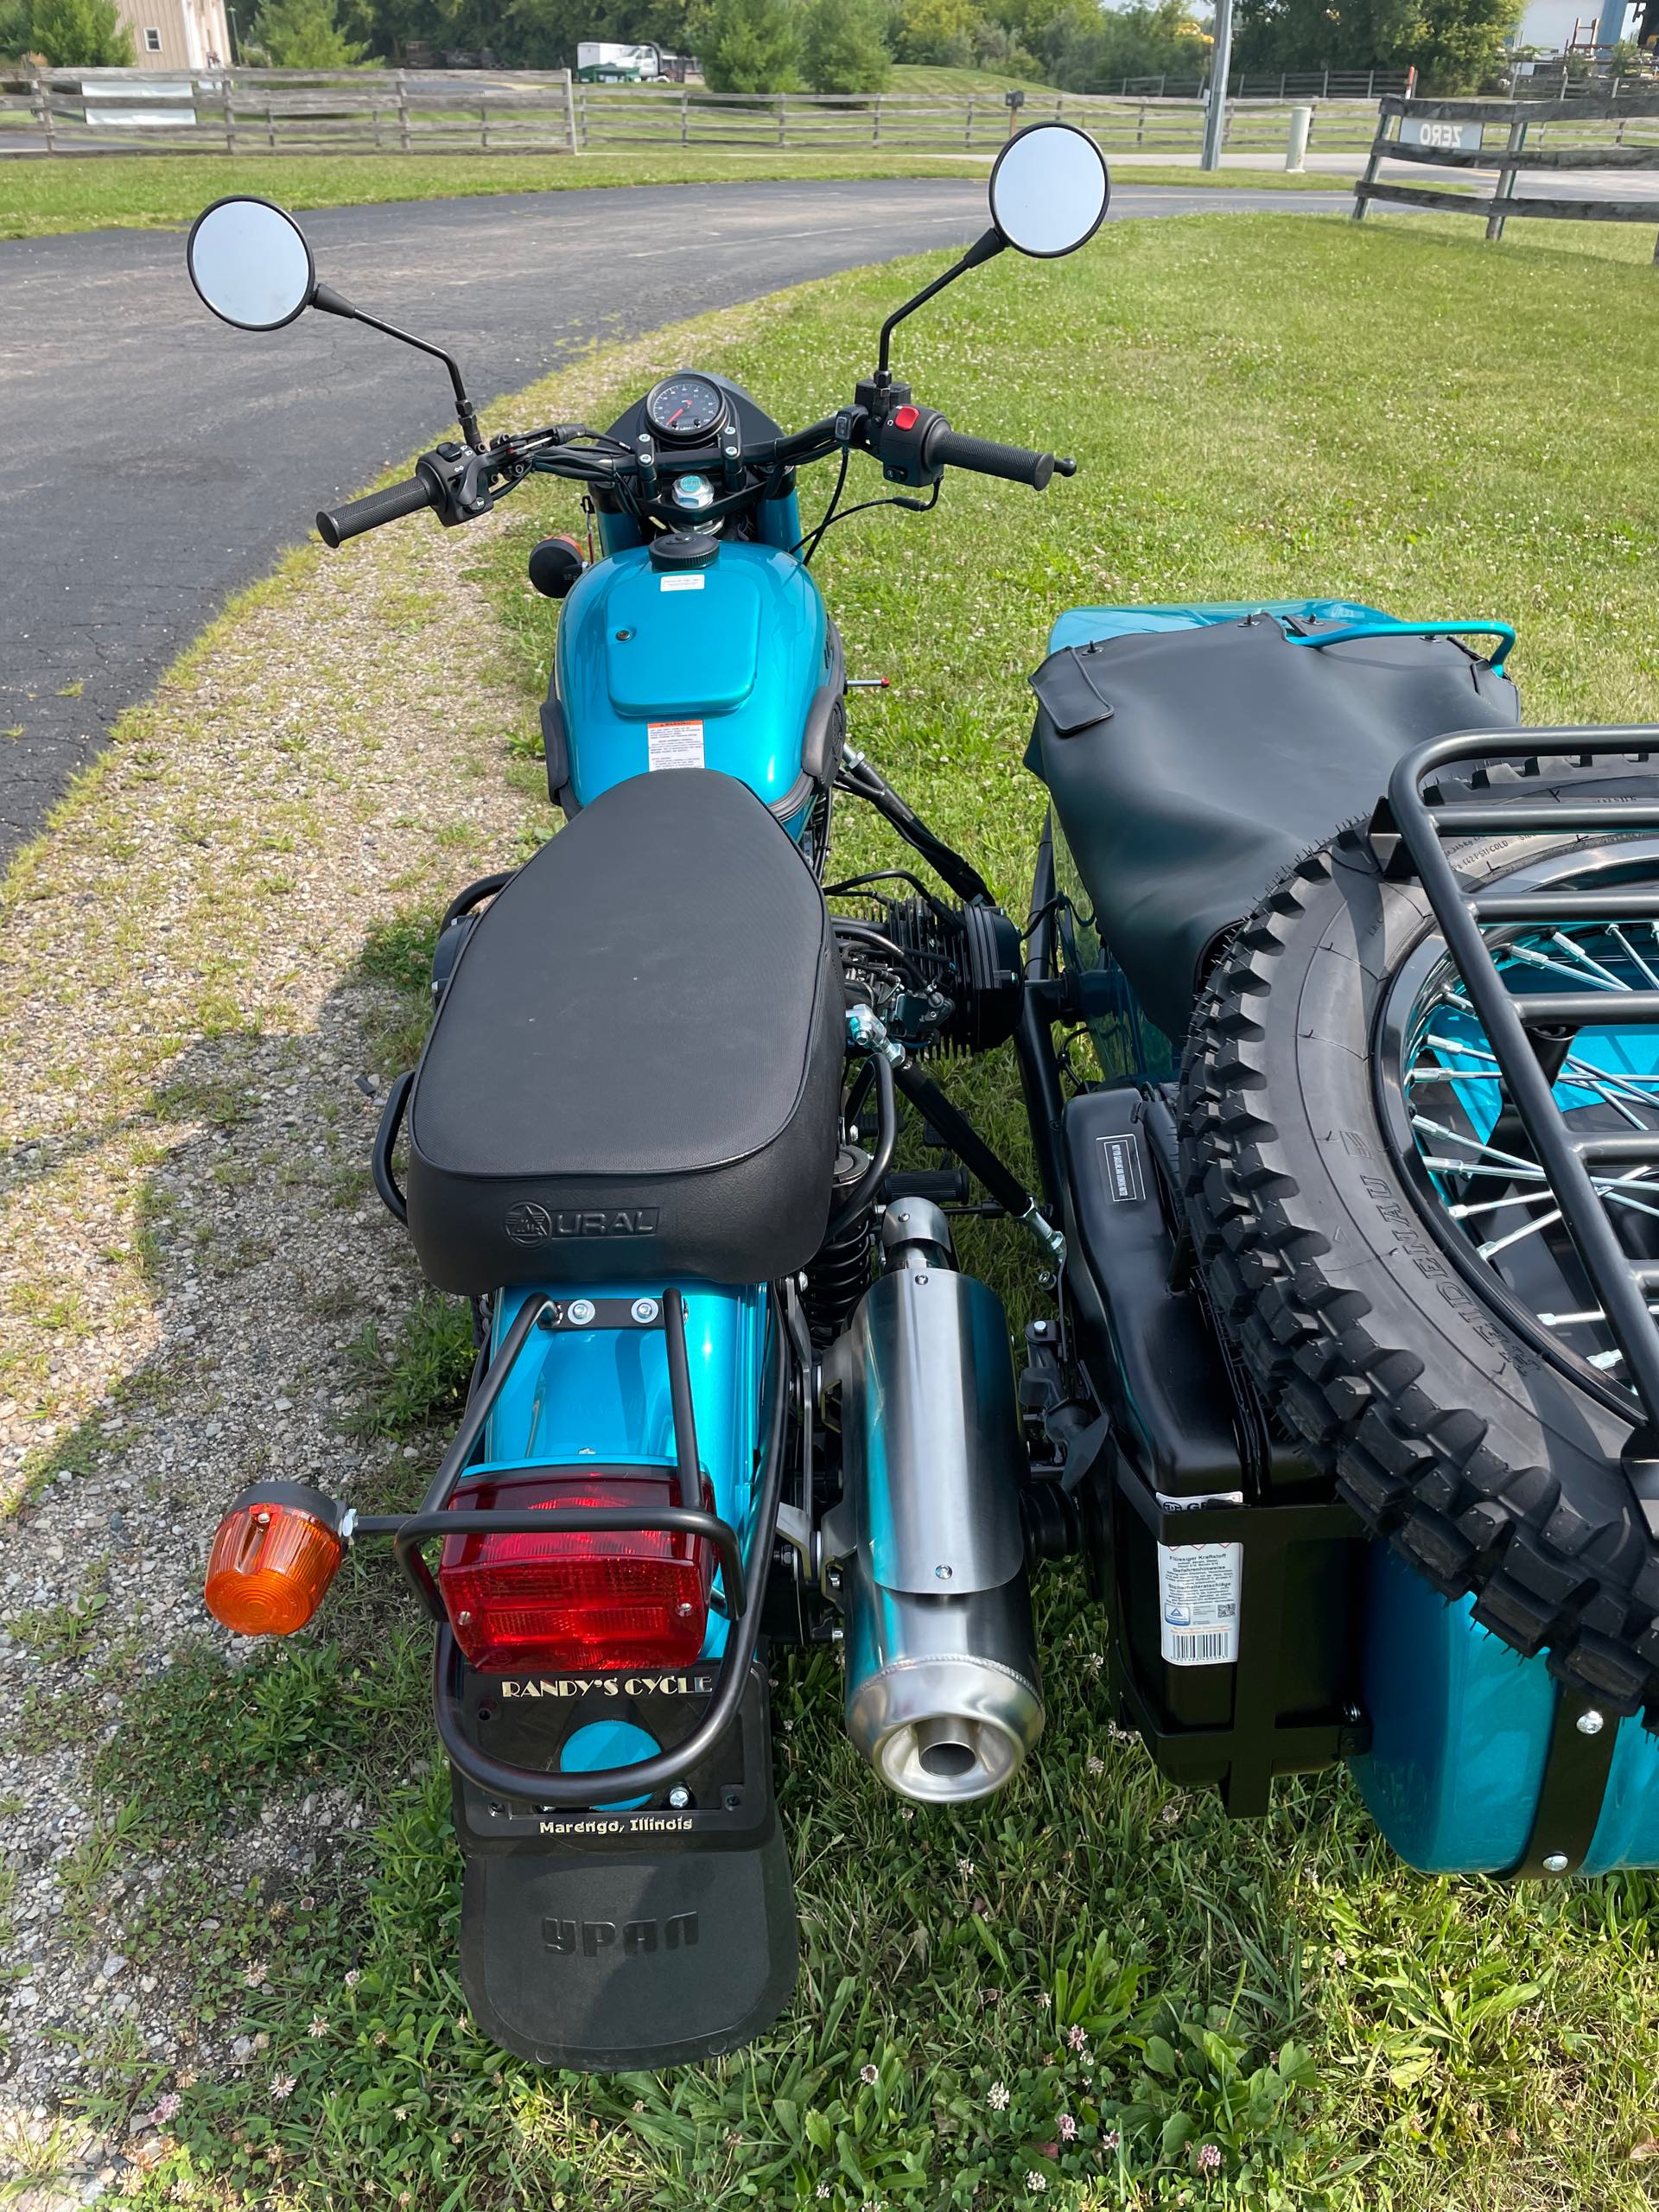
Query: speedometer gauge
<point x="685" y="407"/>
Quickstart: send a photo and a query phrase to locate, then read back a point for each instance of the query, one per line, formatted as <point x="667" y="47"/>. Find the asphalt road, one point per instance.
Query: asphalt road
<point x="155" y="460"/>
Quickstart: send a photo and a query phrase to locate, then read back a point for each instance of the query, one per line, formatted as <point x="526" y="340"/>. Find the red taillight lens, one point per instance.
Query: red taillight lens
<point x="271" y="1567"/>
<point x="578" y="1604"/>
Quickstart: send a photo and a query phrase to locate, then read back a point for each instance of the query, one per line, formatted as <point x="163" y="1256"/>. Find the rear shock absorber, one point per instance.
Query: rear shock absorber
<point x="840" y="1274"/>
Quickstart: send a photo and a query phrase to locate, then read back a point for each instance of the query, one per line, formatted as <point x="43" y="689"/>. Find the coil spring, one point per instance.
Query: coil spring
<point x="840" y="1273"/>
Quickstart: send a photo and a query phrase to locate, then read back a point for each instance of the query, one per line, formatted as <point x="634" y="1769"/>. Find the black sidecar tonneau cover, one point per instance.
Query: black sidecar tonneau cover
<point x="1189" y="765"/>
<point x="635" y="1069"/>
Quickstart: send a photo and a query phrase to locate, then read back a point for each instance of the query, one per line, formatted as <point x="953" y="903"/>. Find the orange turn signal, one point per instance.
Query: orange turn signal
<point x="272" y="1562"/>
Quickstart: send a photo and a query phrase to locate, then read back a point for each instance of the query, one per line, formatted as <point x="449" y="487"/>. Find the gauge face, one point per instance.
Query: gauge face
<point x="685" y="407"/>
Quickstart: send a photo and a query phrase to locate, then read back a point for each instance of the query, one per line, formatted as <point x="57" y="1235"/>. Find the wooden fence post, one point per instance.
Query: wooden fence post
<point x="875" y="122"/>
<point x="570" y="112"/>
<point x="782" y="119"/>
<point x="43" y="103"/>
<point x="1361" y="203"/>
<point x="685" y="115"/>
<point x="230" y="110"/>
<point x="1506" y="178"/>
<point x="403" y="111"/>
<point x="484" y="126"/>
<point x="967" y="123"/>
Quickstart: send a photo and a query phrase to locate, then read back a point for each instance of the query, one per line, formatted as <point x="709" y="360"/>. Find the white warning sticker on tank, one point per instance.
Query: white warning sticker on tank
<point x="1198" y="1587"/>
<point x="674" y="745"/>
<point x="681" y="584"/>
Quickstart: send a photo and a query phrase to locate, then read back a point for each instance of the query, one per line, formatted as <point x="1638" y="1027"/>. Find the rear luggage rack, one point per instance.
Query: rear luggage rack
<point x="1408" y="833"/>
<point x="741" y="1591"/>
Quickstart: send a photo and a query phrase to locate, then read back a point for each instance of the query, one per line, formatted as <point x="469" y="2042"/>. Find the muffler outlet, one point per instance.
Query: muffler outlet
<point x="943" y="1693"/>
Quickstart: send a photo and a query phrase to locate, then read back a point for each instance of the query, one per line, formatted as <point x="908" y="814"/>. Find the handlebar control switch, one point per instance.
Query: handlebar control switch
<point x="901" y="441"/>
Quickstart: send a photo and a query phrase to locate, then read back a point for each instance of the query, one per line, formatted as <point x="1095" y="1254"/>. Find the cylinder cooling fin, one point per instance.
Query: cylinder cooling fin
<point x="944" y="977"/>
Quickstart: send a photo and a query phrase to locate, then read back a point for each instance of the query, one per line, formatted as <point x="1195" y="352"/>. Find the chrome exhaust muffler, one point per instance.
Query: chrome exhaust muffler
<point x="943" y="1693"/>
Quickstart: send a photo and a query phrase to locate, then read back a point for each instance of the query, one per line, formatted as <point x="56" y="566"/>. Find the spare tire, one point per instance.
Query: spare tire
<point x="1482" y="1442"/>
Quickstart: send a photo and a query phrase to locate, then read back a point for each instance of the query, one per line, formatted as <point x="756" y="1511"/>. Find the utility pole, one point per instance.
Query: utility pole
<point x="1221" y="67"/>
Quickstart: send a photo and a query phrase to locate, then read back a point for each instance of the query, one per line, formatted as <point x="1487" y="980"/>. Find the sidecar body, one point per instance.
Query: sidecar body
<point x="1191" y="753"/>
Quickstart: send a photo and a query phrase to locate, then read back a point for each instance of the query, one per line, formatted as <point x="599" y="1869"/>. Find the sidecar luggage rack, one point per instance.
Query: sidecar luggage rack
<point x="434" y="1518"/>
<point x="1517" y="1025"/>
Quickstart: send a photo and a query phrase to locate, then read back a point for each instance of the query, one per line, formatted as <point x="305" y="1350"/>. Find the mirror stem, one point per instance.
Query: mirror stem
<point x="982" y="249"/>
<point x="329" y="301"/>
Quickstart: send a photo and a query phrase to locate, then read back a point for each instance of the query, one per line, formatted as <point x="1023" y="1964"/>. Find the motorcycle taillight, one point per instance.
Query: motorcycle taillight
<point x="575" y="1604"/>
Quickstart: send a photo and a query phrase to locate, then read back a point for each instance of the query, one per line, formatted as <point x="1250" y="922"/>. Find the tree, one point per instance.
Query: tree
<point x="1087" y="46"/>
<point x="81" y="35"/>
<point x="940" y="32"/>
<point x="302" y="34"/>
<point x="1456" y="45"/>
<point x="751" y="46"/>
<point x="842" y="48"/>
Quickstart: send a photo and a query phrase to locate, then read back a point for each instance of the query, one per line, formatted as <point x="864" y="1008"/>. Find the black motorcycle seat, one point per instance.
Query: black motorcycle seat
<point x="635" y="1069"/>
<point x="1188" y="767"/>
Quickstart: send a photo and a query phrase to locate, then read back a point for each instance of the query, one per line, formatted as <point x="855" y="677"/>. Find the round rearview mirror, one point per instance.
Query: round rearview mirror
<point x="250" y="263"/>
<point x="1049" y="190"/>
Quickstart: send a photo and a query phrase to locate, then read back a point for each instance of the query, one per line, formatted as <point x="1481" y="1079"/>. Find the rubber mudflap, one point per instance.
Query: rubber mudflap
<point x="628" y="1961"/>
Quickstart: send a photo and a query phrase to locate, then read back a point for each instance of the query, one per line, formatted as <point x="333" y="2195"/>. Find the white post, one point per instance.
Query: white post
<point x="1302" y="119"/>
<point x="1221" y="63"/>
<point x="571" y="113"/>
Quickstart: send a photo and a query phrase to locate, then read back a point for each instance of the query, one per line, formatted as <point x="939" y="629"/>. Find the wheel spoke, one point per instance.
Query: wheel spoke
<point x="1518" y="1207"/>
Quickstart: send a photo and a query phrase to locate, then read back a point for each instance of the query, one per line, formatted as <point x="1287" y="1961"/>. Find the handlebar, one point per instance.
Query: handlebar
<point x="949" y="448"/>
<point x="914" y="444"/>
<point x="336" y="525"/>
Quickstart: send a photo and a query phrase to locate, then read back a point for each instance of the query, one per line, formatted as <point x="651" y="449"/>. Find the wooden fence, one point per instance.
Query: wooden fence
<point x="1622" y="135"/>
<point x="477" y="112"/>
<point x="1299" y="85"/>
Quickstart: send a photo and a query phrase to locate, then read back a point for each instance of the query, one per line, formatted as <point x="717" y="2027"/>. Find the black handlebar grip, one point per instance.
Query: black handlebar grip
<point x="1017" y="464"/>
<point x="336" y="525"/>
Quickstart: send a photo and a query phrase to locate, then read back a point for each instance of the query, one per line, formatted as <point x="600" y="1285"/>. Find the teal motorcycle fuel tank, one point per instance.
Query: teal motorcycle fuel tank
<point x="733" y="666"/>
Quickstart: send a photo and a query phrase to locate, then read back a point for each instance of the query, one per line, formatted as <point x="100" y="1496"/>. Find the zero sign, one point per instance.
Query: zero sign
<point x="1443" y="137"/>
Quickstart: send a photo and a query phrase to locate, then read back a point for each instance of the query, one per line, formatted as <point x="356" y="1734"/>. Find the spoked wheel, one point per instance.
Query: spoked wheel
<point x="1455" y="1133"/>
<point x="1381" y="1239"/>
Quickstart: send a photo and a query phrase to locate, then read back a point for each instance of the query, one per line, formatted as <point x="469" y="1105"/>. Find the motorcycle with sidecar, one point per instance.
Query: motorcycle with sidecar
<point x="1348" y="1392"/>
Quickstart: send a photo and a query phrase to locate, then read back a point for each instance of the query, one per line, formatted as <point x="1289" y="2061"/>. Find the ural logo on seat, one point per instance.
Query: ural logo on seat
<point x="529" y="1223"/>
<point x="635" y="1939"/>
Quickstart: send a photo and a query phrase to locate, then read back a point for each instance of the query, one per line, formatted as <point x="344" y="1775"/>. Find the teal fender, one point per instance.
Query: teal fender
<point x="735" y="666"/>
<point x="1460" y="1729"/>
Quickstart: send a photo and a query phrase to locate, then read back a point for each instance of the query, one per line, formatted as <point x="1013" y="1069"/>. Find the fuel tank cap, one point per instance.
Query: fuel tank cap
<point x="683" y="549"/>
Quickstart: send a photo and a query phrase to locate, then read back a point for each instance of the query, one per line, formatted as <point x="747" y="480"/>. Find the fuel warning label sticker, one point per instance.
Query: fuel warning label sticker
<point x="674" y="745"/>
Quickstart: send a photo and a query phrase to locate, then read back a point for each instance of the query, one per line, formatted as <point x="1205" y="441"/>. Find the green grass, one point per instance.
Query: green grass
<point x="160" y="191"/>
<point x="154" y="191"/>
<point x="922" y="79"/>
<point x="1393" y="413"/>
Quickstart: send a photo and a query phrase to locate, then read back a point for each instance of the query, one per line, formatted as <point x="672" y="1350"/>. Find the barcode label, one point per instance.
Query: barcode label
<point x="1203" y="1650"/>
<point x="1198" y="1602"/>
